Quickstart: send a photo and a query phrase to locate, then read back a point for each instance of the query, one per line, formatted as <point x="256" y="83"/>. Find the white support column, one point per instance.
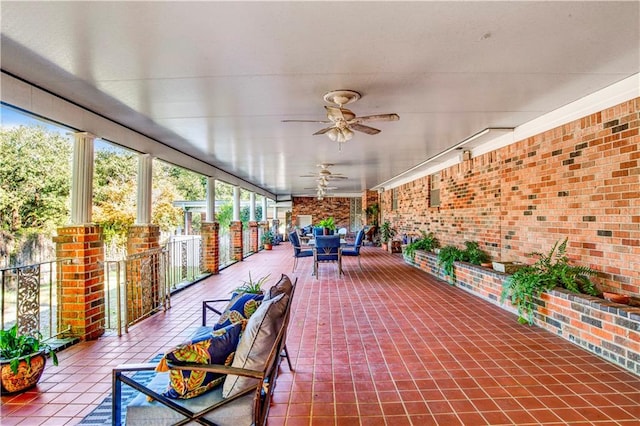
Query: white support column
<point x="82" y="178"/>
<point x="236" y="203"/>
<point x="252" y="207"/>
<point x="264" y="208"/>
<point x="211" y="199"/>
<point x="145" y="189"/>
<point x="275" y="212"/>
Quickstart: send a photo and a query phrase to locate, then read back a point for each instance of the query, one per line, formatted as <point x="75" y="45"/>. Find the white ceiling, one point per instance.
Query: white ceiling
<point x="215" y="79"/>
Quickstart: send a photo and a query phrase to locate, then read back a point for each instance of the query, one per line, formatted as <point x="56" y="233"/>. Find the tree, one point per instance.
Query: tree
<point x="35" y="179"/>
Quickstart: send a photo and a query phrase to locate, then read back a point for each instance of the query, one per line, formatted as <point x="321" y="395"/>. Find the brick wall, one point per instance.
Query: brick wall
<point x="580" y="180"/>
<point x="210" y="232"/>
<point x="337" y="207"/>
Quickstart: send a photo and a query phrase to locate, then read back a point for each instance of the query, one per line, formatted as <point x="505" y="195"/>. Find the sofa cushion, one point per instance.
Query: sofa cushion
<point x="283" y="286"/>
<point x="256" y="342"/>
<point x="206" y="346"/>
<point x="240" y="308"/>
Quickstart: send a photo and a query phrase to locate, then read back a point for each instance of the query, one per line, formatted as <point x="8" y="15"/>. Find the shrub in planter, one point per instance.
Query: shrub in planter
<point x="22" y="359"/>
<point x="474" y="254"/>
<point x="267" y="240"/>
<point x="549" y="271"/>
<point x="447" y="256"/>
<point x="428" y="242"/>
<point x="252" y="286"/>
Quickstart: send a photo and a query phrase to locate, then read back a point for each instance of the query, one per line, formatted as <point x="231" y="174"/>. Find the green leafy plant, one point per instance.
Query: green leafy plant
<point x="372" y="212"/>
<point x="15" y="347"/>
<point x="267" y="237"/>
<point x="428" y="242"/>
<point x="447" y="256"/>
<point x="387" y="232"/>
<point x="328" y="223"/>
<point x="551" y="270"/>
<point x="251" y="286"/>
<point x="474" y="254"/>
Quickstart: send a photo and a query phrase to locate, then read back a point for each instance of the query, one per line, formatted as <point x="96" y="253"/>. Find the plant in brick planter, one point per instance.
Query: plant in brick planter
<point x="551" y="270"/>
<point x="428" y="242"/>
<point x="474" y="254"/>
<point x="447" y="256"/>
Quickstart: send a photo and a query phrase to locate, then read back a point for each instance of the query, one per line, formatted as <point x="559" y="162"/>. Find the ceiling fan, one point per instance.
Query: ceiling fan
<point x="324" y="174"/>
<point x="345" y="121"/>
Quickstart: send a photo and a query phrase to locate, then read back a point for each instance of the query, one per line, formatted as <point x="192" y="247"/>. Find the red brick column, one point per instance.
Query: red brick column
<point x="235" y="234"/>
<point x="81" y="285"/>
<point x="210" y="233"/>
<point x="142" y="237"/>
<point x="254" y="236"/>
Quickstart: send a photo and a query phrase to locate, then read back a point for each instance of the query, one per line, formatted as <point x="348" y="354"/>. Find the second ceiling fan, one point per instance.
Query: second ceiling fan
<point x="344" y="121"/>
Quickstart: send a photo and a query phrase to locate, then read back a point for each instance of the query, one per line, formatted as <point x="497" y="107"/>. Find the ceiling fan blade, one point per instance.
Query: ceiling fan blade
<point x="364" y="129"/>
<point x="323" y="131"/>
<point x="305" y="121"/>
<point x="334" y="113"/>
<point x="378" y="117"/>
<point x="335" y="177"/>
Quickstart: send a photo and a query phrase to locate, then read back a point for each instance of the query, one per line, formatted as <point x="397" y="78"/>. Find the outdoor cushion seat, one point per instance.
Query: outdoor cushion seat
<point x="298" y="252"/>
<point x="355" y="249"/>
<point x="235" y="413"/>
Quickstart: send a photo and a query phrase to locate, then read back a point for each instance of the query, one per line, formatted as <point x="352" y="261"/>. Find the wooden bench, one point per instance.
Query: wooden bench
<point x="249" y="407"/>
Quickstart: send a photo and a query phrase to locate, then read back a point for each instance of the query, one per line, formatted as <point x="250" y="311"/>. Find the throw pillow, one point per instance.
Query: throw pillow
<point x="240" y="308"/>
<point x="207" y="346"/>
<point x="283" y="286"/>
<point x="256" y="342"/>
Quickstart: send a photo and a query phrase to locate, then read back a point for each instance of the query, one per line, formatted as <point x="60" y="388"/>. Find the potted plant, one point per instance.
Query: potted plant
<point x="372" y="214"/>
<point x="551" y="270"/>
<point x="22" y="359"/>
<point x="447" y="256"/>
<point x="251" y="286"/>
<point x="267" y="240"/>
<point x="386" y="234"/>
<point x="329" y="225"/>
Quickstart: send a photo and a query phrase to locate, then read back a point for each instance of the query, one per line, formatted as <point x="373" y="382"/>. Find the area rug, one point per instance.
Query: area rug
<point x="101" y="415"/>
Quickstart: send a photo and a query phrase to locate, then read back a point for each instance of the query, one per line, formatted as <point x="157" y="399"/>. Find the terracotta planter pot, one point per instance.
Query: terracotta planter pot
<point x="268" y="246"/>
<point x="26" y="377"/>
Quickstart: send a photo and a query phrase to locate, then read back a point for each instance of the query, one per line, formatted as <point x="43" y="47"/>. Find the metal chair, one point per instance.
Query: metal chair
<point x="297" y="249"/>
<point x="355" y="249"/>
<point x="327" y="249"/>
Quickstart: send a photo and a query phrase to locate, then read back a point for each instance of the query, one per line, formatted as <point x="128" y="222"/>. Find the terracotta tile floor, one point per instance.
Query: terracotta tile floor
<point x="386" y="346"/>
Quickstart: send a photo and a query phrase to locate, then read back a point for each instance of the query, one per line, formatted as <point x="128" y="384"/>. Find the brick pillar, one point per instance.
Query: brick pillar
<point x="210" y="233"/>
<point x="81" y="287"/>
<point x="142" y="237"/>
<point x="254" y="236"/>
<point x="144" y="292"/>
<point x="235" y="235"/>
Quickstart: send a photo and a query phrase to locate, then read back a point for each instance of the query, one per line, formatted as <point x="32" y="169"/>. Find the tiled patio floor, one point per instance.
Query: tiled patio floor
<point x="386" y="346"/>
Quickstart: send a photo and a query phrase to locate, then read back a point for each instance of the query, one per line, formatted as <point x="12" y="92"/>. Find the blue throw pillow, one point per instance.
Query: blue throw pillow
<point x="240" y="308"/>
<point x="207" y="346"/>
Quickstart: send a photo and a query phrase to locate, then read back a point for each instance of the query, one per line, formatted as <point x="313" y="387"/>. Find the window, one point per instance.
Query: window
<point x="434" y="190"/>
<point x="355" y="214"/>
<point x="394" y="199"/>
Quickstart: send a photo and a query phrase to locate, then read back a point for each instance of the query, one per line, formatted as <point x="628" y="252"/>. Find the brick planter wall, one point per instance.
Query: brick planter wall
<point x="606" y="329"/>
<point x="580" y="180"/>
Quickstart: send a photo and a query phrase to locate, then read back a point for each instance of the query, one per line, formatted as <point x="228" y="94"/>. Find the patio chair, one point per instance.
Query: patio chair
<point x="326" y="249"/>
<point x="355" y="249"/>
<point x="298" y="252"/>
<point x="253" y="382"/>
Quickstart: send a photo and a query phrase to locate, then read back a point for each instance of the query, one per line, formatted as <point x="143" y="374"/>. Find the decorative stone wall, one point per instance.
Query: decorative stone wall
<point x="607" y="329"/>
<point x="81" y="285"/>
<point x="336" y="207"/>
<point x="580" y="180"/>
<point x="210" y="233"/>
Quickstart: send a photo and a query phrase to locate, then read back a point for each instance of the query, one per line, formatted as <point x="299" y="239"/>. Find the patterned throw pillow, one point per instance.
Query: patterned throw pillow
<point x="207" y="346"/>
<point x="240" y="308"/>
<point x="256" y="343"/>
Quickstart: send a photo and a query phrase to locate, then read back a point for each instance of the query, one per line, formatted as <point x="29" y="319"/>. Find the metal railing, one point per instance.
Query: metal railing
<point x="185" y="262"/>
<point x="29" y="297"/>
<point x="246" y="242"/>
<point x="224" y="248"/>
